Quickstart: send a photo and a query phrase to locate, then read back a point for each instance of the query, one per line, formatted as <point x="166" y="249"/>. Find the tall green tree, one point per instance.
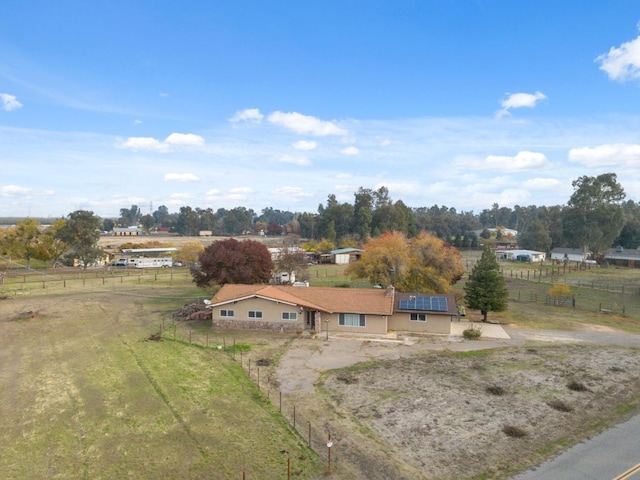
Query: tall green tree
<point x="594" y="217"/>
<point x="486" y="289"/>
<point x="535" y="237"/>
<point x="363" y="213"/>
<point x="82" y="232"/>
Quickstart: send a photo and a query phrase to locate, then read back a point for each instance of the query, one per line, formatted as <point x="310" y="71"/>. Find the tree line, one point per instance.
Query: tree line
<point x="595" y="218"/>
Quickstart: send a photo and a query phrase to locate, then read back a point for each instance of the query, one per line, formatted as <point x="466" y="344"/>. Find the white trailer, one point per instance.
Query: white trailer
<point x="157" y="262"/>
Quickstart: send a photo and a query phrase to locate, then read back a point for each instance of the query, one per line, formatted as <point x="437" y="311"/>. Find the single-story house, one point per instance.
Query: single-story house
<point x="521" y="255"/>
<point x="569" y="255"/>
<point x="127" y="232"/>
<point x="622" y="257"/>
<point x="347" y="310"/>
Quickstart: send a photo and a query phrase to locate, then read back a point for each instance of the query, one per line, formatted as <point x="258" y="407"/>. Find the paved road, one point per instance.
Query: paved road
<point x="603" y="457"/>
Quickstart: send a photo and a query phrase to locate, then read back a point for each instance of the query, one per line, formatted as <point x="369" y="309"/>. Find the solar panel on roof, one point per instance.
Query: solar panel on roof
<point x="434" y="304"/>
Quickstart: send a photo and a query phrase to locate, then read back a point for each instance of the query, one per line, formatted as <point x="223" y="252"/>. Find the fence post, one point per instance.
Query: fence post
<point x="294" y="417"/>
<point x="174" y="331"/>
<point x="190" y="332"/>
<point x="309" y="433"/>
<point x="280" y="401"/>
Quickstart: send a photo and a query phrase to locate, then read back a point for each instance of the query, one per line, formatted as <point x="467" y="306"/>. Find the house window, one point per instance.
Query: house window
<point x="227" y="313"/>
<point x="255" y="314"/>
<point x="352" y="320"/>
<point x="418" y="317"/>
<point x="289" y="315"/>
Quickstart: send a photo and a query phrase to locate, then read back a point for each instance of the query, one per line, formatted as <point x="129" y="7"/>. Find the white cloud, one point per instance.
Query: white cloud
<point x="143" y="143"/>
<point x="385" y="142"/>
<point x="249" y="115"/>
<point x="241" y="190"/>
<point x="345" y="188"/>
<point x="14" y="191"/>
<point x="305" y="124"/>
<point x="606" y="155"/>
<point x="521" y="161"/>
<point x="295" y="192"/>
<point x="296" y="160"/>
<point x="519" y="100"/>
<point x="184" y="140"/>
<point x="350" y="151"/>
<point x="305" y="145"/>
<point x="9" y="102"/>
<point x="342" y="175"/>
<point x="543" y="184"/>
<point x="213" y="192"/>
<point x="155" y="145"/>
<point x="622" y="63"/>
<point x="180" y="196"/>
<point x="180" y="177"/>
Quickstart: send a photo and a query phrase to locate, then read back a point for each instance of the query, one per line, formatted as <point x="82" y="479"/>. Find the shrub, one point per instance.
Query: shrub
<point x="496" y="390"/>
<point x="560" y="406"/>
<point x="577" y="386"/>
<point x="513" y="431"/>
<point x="472" y="333"/>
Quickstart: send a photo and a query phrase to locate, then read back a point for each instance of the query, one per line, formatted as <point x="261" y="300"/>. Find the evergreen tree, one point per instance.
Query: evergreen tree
<point x="486" y="289"/>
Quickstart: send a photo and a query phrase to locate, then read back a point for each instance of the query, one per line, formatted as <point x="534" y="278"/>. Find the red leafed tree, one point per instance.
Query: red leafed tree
<point x="231" y="261"/>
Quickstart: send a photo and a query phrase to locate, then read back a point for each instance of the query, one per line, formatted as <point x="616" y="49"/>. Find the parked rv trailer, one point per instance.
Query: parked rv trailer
<point x="157" y="262"/>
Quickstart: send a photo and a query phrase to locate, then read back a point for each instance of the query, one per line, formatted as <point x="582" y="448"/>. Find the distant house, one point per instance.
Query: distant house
<point x="622" y="257"/>
<point x="346" y="310"/>
<point x="569" y="255"/>
<point x="521" y="255"/>
<point x="344" y="256"/>
<point x="127" y="232"/>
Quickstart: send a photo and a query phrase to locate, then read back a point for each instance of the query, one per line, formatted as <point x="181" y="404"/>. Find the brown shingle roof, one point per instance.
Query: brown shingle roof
<point x="327" y="299"/>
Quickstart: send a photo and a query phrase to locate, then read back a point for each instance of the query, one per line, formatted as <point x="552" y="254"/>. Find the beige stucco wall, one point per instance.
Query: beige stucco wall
<point x="271" y="312"/>
<point x="373" y="324"/>
<point x="434" y="323"/>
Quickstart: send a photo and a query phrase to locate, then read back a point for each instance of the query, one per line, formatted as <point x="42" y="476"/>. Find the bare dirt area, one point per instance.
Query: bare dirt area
<point x="439" y="409"/>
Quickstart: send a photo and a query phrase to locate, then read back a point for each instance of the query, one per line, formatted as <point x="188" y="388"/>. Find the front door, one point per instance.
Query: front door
<point x="310" y="320"/>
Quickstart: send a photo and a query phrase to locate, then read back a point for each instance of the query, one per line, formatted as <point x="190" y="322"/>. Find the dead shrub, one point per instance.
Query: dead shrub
<point x="496" y="390"/>
<point x="577" y="386"/>
<point x="348" y="378"/>
<point x="560" y="406"/>
<point x="514" y="431"/>
<point x="263" y="362"/>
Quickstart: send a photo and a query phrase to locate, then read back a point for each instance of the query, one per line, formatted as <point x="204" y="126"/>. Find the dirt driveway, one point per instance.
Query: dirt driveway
<point x="307" y="358"/>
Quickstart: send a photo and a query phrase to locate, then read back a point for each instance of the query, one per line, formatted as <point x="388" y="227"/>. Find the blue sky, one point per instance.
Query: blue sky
<point x="463" y="103"/>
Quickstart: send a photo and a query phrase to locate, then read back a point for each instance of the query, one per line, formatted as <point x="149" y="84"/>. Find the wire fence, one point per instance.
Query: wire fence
<point x="260" y="371"/>
<point x="15" y="284"/>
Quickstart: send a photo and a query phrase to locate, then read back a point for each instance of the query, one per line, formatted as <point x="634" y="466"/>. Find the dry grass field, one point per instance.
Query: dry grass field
<point x="86" y="393"/>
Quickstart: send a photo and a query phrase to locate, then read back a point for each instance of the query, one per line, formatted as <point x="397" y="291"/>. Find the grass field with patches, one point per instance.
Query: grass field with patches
<point x="85" y="394"/>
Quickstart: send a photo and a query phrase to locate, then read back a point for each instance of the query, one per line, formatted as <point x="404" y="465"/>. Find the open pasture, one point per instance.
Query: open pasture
<point x="86" y="393"/>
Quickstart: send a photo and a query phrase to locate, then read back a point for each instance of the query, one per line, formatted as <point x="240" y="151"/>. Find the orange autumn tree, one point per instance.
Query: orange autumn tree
<point x="421" y="264"/>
